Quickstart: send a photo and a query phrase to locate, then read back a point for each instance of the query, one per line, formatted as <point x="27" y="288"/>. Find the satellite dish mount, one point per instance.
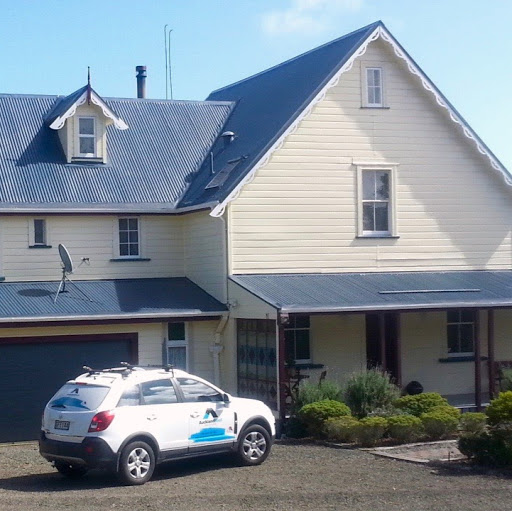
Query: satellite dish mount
<point x="67" y="269"/>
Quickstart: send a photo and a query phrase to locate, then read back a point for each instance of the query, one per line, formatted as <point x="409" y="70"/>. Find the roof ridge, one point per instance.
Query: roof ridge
<point x="251" y="77"/>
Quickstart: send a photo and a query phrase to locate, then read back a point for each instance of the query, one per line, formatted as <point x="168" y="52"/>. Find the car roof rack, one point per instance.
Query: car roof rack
<point x="128" y="368"/>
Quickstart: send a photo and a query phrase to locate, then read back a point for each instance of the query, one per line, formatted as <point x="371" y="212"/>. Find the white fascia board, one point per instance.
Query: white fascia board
<point x="113" y="317"/>
<point x="59" y="122"/>
<point x="414" y="69"/>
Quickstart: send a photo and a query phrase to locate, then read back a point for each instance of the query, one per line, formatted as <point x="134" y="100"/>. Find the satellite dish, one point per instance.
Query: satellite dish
<point x="67" y="268"/>
<point x="67" y="263"/>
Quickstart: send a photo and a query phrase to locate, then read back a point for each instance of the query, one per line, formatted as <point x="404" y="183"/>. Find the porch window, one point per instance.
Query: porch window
<point x="460" y="332"/>
<point x="296" y="335"/>
<point x="177" y="345"/>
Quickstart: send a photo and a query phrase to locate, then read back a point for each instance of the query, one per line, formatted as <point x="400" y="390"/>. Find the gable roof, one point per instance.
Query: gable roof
<point x="66" y="107"/>
<point x="149" y="165"/>
<point x="270" y="105"/>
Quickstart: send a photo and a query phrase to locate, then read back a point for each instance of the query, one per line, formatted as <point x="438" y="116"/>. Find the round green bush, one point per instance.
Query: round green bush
<point x="472" y="423"/>
<point x="404" y="428"/>
<point x="370" y="430"/>
<point x="500" y="409"/>
<point x="315" y="414"/>
<point x="439" y="424"/>
<point x="420" y="403"/>
<point x="369" y="390"/>
<point x="343" y="429"/>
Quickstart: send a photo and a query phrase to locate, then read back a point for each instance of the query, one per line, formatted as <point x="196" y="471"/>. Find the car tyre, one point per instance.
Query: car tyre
<point x="136" y="463"/>
<point x="254" y="445"/>
<point x="70" y="470"/>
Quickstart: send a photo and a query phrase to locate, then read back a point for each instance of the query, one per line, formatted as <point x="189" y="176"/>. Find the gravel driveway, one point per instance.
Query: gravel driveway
<point x="295" y="477"/>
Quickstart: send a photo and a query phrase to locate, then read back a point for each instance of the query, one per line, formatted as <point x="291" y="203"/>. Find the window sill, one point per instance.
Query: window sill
<point x="39" y="246"/>
<point x="305" y="365"/>
<point x="377" y="236"/>
<point x="375" y="107"/>
<point x="128" y="259"/>
<point x="465" y="358"/>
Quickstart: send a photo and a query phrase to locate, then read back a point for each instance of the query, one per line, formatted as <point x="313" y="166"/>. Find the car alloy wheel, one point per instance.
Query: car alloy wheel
<point x="137" y="463"/>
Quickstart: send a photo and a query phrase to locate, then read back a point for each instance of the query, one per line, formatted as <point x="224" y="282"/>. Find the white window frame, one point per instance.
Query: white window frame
<point x="32" y="233"/>
<point x="391" y="168"/>
<point x="452" y="354"/>
<point x="94" y="136"/>
<point x="365" y="89"/>
<point x="117" y="237"/>
<point x="178" y="343"/>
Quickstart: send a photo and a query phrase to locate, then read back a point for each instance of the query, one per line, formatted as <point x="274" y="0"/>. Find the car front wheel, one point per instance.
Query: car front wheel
<point x="136" y="464"/>
<point x="254" y="445"/>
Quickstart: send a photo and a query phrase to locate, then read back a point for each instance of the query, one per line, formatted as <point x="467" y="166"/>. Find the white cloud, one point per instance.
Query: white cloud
<point x="307" y="16"/>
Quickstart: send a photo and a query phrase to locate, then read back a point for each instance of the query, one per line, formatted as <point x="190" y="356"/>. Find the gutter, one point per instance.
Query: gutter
<point x="103" y="317"/>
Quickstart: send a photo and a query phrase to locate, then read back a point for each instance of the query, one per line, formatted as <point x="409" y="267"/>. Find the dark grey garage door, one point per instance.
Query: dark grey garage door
<point x="32" y="369"/>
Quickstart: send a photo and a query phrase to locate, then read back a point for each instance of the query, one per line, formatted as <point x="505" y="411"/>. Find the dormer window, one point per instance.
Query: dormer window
<point x="87" y="137"/>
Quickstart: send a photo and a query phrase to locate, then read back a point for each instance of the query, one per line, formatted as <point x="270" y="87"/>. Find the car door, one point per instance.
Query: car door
<point x="165" y="418"/>
<point x="212" y="423"/>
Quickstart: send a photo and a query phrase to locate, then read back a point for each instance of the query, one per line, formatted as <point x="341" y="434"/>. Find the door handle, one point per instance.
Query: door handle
<point x="151" y="417"/>
<point x="195" y="415"/>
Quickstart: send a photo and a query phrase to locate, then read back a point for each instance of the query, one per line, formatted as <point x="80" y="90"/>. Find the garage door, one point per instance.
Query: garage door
<point x="32" y="369"/>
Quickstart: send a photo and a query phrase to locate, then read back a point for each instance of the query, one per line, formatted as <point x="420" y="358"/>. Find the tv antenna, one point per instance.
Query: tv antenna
<point x="68" y="269"/>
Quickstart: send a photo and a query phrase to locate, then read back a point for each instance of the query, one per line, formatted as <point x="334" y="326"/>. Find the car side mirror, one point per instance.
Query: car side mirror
<point x="226" y="398"/>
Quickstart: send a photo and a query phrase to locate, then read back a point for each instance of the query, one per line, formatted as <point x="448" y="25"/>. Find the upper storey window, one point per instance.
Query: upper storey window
<point x="376" y="200"/>
<point x="374" y="93"/>
<point x="87" y="137"/>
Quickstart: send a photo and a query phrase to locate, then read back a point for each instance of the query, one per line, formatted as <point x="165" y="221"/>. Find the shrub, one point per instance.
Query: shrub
<point x="450" y="410"/>
<point x="506" y="379"/>
<point x="438" y="424"/>
<point x="500" y="409"/>
<point x="343" y="429"/>
<point x="404" y="428"/>
<point x="311" y="393"/>
<point x="369" y="390"/>
<point x="314" y="415"/>
<point x="472" y="423"/>
<point x="370" y="430"/>
<point x="486" y="449"/>
<point x="420" y="403"/>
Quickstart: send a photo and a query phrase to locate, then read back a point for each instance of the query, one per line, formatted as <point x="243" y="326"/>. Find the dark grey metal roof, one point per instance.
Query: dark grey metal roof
<point x="380" y="291"/>
<point x="266" y="105"/>
<point x="150" y="164"/>
<point x="110" y="299"/>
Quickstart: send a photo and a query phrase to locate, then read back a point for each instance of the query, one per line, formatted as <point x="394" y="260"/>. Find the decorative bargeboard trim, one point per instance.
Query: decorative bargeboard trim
<point x="413" y="68"/>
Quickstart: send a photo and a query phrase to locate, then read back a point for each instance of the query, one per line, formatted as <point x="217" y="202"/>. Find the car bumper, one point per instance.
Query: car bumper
<point x="91" y="452"/>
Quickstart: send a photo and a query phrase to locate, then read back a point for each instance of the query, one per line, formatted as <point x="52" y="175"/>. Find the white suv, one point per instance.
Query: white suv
<point x="129" y="419"/>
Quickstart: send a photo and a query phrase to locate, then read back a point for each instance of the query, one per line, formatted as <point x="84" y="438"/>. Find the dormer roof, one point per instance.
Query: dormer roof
<point x="66" y="107"/>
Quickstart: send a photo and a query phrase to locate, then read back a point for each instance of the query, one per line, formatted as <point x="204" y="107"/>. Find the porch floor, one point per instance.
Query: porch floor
<point x="466" y="402"/>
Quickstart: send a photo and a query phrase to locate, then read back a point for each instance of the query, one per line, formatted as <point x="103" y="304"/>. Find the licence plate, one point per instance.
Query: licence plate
<point x="62" y="425"/>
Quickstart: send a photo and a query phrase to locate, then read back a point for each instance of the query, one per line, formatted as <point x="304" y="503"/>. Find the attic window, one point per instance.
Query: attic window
<point x="87" y="137"/>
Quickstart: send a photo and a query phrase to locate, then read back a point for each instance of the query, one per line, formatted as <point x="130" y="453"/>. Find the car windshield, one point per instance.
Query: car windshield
<point x="79" y="397"/>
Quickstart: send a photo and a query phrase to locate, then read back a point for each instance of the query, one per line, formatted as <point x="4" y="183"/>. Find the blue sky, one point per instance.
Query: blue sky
<point x="464" y="46"/>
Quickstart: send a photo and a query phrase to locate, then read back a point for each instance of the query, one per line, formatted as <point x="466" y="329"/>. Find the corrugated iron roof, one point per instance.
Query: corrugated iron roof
<point x="266" y="105"/>
<point x="151" y="163"/>
<point x="109" y="299"/>
<point x="345" y="292"/>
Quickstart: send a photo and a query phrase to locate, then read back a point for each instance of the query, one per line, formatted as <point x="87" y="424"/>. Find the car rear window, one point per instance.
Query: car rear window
<point x="79" y="397"/>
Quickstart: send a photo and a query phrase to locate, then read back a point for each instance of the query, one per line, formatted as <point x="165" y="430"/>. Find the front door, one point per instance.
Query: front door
<point x="383" y="328"/>
<point x="211" y="421"/>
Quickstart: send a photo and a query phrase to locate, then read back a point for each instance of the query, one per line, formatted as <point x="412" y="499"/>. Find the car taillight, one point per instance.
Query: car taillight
<point x="101" y="421"/>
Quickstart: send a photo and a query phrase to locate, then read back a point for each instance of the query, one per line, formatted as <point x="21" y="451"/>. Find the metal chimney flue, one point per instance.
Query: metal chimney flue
<point x="141" y="81"/>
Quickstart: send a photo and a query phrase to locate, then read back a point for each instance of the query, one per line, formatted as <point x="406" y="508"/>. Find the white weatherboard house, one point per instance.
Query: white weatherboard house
<point x="330" y="213"/>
